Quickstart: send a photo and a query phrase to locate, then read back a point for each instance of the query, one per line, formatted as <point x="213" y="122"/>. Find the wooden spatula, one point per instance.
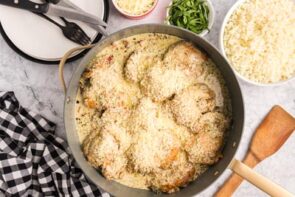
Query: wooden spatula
<point x="271" y="134"/>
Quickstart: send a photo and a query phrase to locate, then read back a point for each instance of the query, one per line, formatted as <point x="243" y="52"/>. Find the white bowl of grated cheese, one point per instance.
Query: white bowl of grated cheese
<point x="249" y="41"/>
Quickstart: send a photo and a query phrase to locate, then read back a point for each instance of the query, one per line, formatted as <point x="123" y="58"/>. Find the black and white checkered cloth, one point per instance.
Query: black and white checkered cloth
<point x="33" y="161"/>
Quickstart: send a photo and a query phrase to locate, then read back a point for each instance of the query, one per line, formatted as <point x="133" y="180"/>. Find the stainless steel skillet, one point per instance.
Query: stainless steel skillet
<point x="232" y="140"/>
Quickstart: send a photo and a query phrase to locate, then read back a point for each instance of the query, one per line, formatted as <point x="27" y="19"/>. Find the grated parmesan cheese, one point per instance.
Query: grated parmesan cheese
<point x="135" y="7"/>
<point x="259" y="40"/>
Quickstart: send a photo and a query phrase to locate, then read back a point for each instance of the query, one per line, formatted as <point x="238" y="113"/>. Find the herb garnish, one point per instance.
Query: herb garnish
<point x="189" y="14"/>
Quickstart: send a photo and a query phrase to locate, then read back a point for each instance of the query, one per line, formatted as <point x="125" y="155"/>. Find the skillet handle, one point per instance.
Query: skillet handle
<point x="63" y="61"/>
<point x="231" y="184"/>
<point x="258" y="180"/>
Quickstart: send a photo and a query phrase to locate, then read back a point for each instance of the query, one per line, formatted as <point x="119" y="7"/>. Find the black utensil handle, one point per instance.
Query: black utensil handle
<point x="53" y="1"/>
<point x="49" y="19"/>
<point x="26" y="5"/>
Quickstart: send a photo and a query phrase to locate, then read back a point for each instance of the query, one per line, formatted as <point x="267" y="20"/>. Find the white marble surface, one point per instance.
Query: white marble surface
<point x="37" y="87"/>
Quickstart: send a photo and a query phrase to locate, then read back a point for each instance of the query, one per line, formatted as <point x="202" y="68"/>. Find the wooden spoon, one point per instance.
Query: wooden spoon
<point x="271" y="134"/>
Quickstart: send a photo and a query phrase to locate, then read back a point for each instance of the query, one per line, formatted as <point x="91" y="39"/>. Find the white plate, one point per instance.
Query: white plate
<point x="40" y="39"/>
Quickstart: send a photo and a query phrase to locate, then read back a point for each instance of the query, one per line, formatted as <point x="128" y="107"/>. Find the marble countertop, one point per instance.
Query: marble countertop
<point x="37" y="87"/>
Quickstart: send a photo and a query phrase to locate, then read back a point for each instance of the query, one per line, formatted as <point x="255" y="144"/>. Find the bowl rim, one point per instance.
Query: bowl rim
<point x="121" y="11"/>
<point x="234" y="7"/>
<point x="211" y="17"/>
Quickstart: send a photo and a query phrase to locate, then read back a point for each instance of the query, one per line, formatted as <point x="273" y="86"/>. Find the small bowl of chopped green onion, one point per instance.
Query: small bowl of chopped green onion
<point x="194" y="15"/>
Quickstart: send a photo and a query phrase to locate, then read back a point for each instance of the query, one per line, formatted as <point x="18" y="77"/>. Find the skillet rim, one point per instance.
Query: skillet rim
<point x="234" y="137"/>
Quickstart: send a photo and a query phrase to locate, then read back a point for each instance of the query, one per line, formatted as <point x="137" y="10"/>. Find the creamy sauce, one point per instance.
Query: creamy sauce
<point x="133" y="180"/>
<point x="135" y="7"/>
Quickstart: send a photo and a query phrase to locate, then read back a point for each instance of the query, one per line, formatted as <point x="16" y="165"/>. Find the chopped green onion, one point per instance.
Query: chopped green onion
<point x="189" y="14"/>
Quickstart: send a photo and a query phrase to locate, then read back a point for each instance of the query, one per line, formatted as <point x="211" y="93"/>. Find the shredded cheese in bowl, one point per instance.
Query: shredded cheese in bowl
<point x="259" y="40"/>
<point x="135" y="7"/>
